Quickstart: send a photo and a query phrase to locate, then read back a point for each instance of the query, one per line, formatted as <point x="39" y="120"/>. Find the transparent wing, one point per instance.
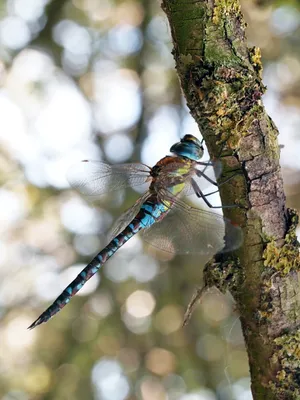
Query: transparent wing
<point x="121" y="223"/>
<point x="187" y="229"/>
<point x="94" y="178"/>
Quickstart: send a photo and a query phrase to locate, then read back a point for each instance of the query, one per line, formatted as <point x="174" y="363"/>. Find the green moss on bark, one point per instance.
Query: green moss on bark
<point x="286" y="257"/>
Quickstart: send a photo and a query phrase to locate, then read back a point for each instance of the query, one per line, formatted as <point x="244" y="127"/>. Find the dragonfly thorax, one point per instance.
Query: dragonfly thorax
<point x="170" y="173"/>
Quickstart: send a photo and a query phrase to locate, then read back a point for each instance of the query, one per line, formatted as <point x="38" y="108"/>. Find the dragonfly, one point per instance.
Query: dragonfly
<point x="160" y="214"/>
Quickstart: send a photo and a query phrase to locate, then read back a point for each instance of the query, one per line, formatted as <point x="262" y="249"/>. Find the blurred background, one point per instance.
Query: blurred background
<point x="89" y="79"/>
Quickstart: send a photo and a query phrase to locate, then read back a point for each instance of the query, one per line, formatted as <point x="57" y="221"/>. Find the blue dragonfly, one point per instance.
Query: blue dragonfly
<point x="165" y="220"/>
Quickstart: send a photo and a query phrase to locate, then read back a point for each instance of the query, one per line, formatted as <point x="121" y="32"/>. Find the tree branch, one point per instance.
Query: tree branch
<point x="221" y="79"/>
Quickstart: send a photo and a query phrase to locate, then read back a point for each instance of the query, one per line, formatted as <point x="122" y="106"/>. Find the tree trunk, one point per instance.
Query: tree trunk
<point x="221" y="79"/>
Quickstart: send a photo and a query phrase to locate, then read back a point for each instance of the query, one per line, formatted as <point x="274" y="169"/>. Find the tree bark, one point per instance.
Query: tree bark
<point x="221" y="80"/>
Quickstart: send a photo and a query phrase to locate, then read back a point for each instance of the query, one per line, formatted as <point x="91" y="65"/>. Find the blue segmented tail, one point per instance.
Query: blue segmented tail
<point x="148" y="214"/>
<point x="86" y="274"/>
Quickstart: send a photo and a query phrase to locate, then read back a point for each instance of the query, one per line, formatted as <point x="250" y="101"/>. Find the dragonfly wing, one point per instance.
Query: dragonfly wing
<point x="187" y="229"/>
<point x="94" y="178"/>
<point x="121" y="223"/>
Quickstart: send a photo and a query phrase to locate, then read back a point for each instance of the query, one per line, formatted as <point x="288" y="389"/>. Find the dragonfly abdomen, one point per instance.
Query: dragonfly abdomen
<point x="148" y="214"/>
<point x="85" y="275"/>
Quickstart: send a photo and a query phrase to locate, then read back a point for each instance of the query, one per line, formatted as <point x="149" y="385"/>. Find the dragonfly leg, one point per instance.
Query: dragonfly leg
<point x="206" y="164"/>
<point x="219" y="184"/>
<point x="202" y="174"/>
<point x="203" y="196"/>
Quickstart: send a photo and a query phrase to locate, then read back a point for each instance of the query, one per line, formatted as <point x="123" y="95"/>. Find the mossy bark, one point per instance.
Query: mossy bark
<point x="221" y="80"/>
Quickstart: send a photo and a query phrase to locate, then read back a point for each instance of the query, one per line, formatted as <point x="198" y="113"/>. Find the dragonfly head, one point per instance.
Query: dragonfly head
<point x="189" y="147"/>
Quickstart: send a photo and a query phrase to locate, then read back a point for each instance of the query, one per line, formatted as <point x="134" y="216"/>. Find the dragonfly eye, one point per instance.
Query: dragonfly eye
<point x="189" y="147"/>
